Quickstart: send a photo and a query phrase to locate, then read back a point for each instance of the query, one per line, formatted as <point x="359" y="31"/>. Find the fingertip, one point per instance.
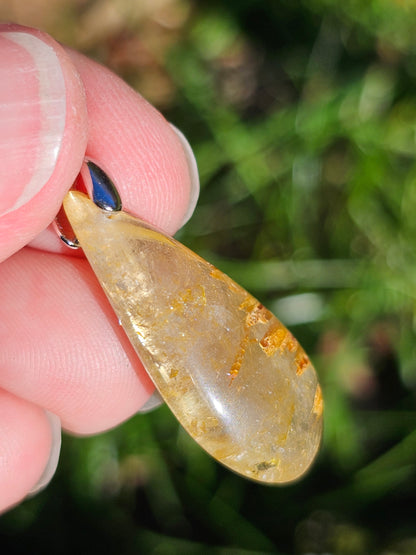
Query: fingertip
<point x="43" y="134"/>
<point x="55" y="449"/>
<point x="154" y="401"/>
<point x="193" y="174"/>
<point x="91" y="376"/>
<point x="150" y="162"/>
<point x="25" y="446"/>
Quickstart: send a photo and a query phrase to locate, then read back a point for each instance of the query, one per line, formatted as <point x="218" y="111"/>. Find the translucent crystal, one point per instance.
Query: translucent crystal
<point x="233" y="375"/>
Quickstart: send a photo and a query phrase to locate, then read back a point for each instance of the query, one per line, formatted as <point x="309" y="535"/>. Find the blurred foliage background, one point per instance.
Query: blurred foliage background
<point x="302" y="115"/>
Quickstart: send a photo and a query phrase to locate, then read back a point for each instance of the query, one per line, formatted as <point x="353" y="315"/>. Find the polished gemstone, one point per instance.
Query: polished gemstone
<point x="235" y="378"/>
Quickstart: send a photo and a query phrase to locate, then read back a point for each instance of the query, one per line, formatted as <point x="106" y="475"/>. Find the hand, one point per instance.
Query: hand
<point x="63" y="356"/>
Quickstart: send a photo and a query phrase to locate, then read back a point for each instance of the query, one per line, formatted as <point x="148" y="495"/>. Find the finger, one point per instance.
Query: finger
<point x="43" y="134"/>
<point x="94" y="386"/>
<point x="62" y="346"/>
<point x="25" y="446"/>
<point x="149" y="160"/>
<point x="54" y="453"/>
<point x="138" y="148"/>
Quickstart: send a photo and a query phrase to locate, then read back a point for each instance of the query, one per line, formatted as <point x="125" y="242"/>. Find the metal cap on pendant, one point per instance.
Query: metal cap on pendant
<point x="103" y="192"/>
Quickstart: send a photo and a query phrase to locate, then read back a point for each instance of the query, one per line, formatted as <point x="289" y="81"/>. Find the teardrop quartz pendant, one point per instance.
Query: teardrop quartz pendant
<point x="232" y="374"/>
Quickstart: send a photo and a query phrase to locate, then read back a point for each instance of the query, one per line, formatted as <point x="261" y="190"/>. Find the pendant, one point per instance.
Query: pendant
<point x="235" y="378"/>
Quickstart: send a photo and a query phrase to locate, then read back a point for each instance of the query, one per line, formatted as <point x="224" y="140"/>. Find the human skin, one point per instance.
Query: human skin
<point x="62" y="351"/>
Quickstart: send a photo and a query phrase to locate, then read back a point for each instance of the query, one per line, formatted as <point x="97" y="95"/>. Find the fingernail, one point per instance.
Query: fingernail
<point x="50" y="468"/>
<point x="193" y="172"/>
<point x="154" y="401"/>
<point x="32" y="115"/>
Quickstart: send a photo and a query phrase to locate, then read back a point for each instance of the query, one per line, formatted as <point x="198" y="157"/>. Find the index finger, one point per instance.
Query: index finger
<point x="94" y="381"/>
<point x="149" y="160"/>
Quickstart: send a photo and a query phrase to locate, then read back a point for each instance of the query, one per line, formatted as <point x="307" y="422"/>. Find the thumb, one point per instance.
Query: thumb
<point x="43" y="133"/>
